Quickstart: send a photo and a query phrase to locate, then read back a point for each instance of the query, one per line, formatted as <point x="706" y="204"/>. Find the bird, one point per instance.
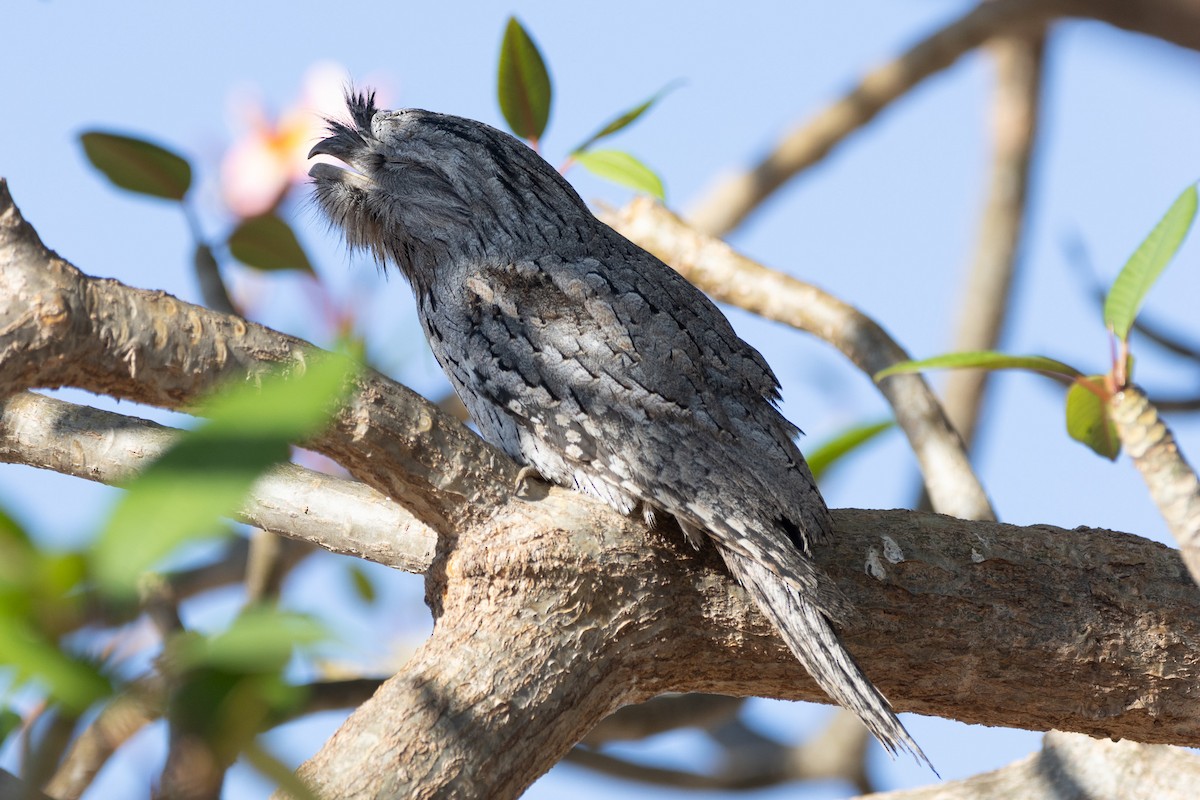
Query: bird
<point x="591" y="362"/>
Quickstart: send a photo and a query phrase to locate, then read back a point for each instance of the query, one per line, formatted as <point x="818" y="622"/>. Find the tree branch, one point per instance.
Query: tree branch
<point x="339" y="515"/>
<point x="984" y="306"/>
<point x="1075" y="766"/>
<point x="731" y="200"/>
<point x="750" y="761"/>
<point x="1028" y="627"/>
<point x="1172" y="482"/>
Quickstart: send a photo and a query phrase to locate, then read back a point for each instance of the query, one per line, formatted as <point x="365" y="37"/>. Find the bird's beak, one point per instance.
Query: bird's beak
<point x="323" y="148"/>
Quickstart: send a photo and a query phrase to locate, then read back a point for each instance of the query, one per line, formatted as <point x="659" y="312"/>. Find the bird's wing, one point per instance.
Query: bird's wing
<point x="629" y="377"/>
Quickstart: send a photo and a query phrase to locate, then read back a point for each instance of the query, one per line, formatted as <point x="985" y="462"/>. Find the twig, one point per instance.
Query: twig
<point x="727" y="204"/>
<point x="1172" y="482"/>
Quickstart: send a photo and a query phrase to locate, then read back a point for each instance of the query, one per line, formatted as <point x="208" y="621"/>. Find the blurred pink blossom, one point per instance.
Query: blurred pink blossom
<point x="271" y="156"/>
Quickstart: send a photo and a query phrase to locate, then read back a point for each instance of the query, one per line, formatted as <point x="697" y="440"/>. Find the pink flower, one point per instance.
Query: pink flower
<point x="271" y="157"/>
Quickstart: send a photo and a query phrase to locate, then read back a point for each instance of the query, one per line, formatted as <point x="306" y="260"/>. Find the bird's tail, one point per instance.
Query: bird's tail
<point x="810" y="636"/>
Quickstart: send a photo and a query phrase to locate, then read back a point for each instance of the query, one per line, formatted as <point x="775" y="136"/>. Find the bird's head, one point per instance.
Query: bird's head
<point x="423" y="190"/>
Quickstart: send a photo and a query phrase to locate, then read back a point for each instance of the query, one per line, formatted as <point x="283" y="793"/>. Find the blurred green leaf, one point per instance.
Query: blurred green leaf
<point x="229" y="709"/>
<point x="827" y="453"/>
<point x="287" y="406"/>
<point x="620" y="167"/>
<point x="9" y="722"/>
<point x="205" y="475"/>
<point x="37" y="586"/>
<point x="1147" y="263"/>
<point x="1088" y="420"/>
<point x="138" y="165"/>
<point x="12" y="531"/>
<point x="259" y="640"/>
<point x="982" y="359"/>
<point x="625" y="118"/>
<point x="73" y="683"/>
<point x="18" y="557"/>
<point x="523" y="85"/>
<point x="268" y="243"/>
<point x="362" y="585"/>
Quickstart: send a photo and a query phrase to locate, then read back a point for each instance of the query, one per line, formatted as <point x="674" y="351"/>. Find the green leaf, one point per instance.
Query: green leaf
<point x="138" y="165"/>
<point x="620" y="167"/>
<point x="18" y="557"/>
<point x="12" y="531"/>
<point x="73" y="683"/>
<point x="205" y="475"/>
<point x="1147" y="263"/>
<point x="268" y="243"/>
<point x="1088" y="420"/>
<point x="362" y="585"/>
<point x="825" y="455"/>
<point x="625" y="118"/>
<point x="982" y="359"/>
<point x="9" y="722"/>
<point x="523" y="85"/>
<point x="260" y="640"/>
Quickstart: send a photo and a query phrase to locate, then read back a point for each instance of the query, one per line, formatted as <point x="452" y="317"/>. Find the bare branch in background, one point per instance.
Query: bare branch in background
<point x="985" y="300"/>
<point x="727" y="204"/>
<point x="1071" y="765"/>
<point x="664" y="713"/>
<point x="750" y="761"/>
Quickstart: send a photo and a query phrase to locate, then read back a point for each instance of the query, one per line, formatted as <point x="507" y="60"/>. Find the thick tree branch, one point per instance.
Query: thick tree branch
<point x="339" y="515"/>
<point x="727" y="204"/>
<point x="1028" y="627"/>
<point x="730" y="277"/>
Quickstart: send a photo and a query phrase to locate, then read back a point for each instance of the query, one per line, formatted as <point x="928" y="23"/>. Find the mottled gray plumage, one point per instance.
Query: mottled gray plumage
<point x="585" y="357"/>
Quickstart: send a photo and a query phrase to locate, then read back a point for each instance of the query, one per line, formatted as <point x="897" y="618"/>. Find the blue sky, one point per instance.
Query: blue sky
<point x="887" y="223"/>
